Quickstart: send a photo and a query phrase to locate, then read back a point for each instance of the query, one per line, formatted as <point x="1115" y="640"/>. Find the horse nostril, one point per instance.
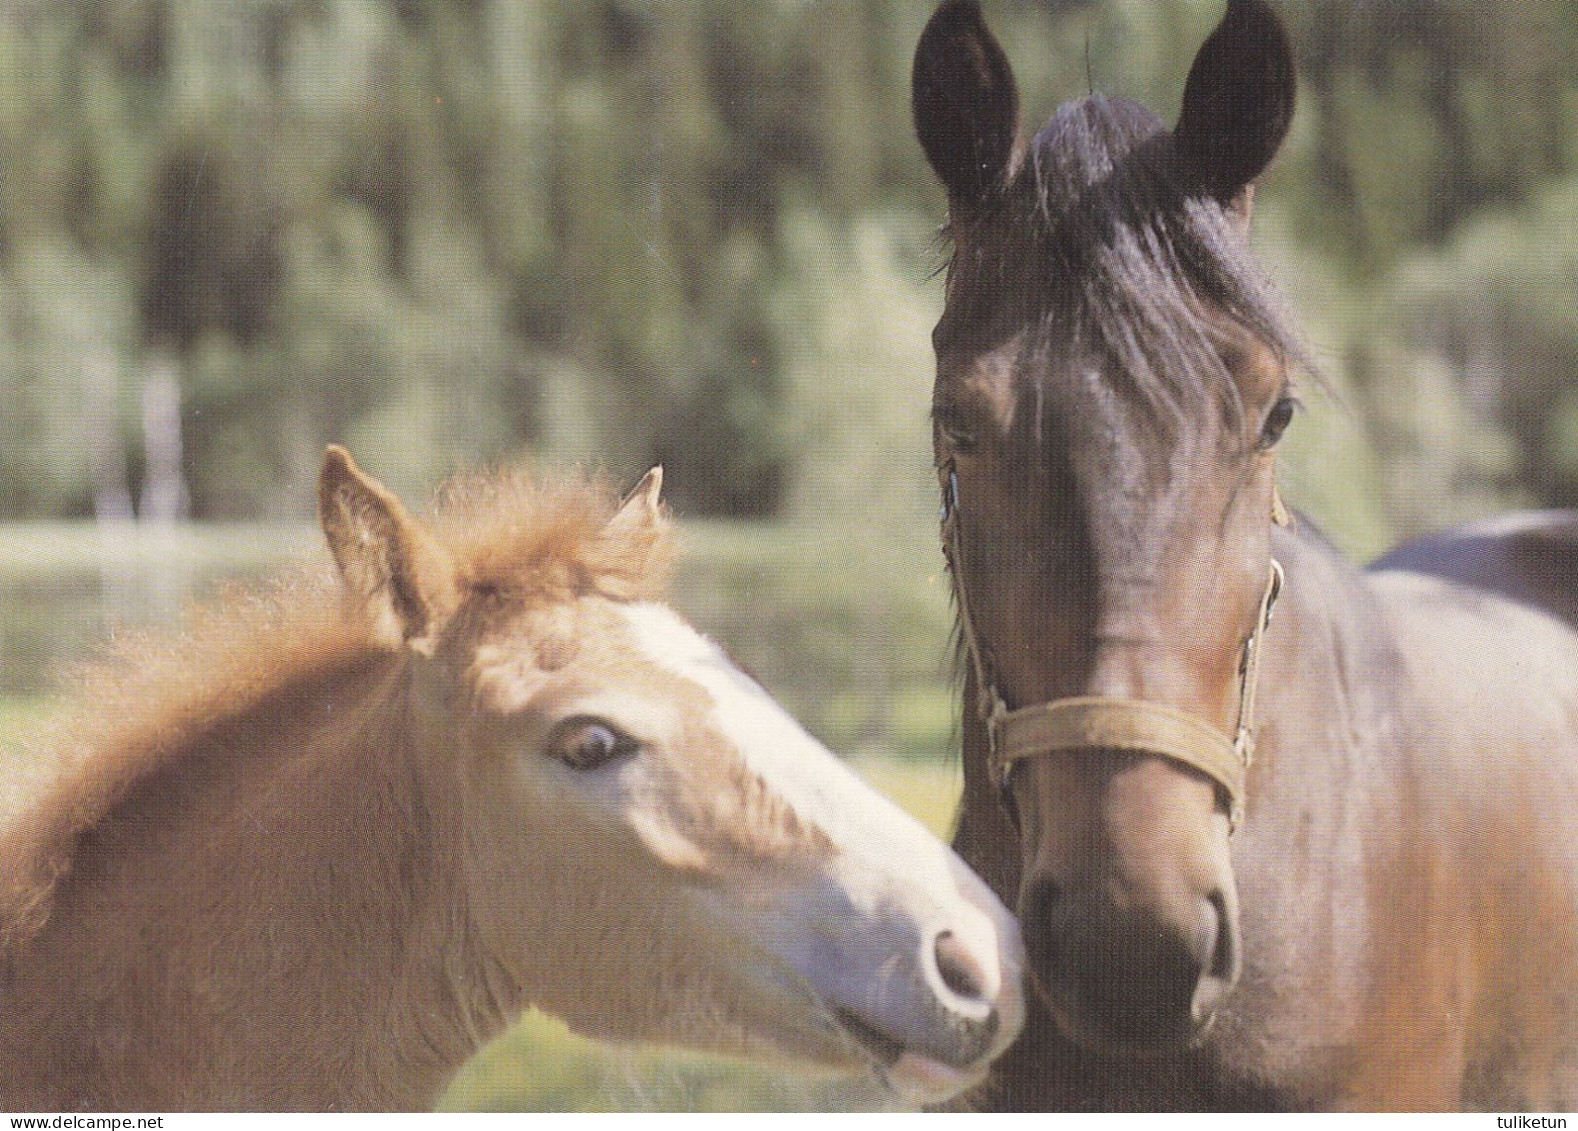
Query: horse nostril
<point x="1223" y="959"/>
<point x="961" y="972"/>
<point x="972" y="1014"/>
<point x="1220" y="969"/>
<point x="1040" y="909"/>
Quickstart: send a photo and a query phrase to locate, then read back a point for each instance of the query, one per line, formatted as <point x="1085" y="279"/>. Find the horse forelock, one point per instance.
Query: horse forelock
<point x="1096" y="250"/>
<point x="145" y="703"/>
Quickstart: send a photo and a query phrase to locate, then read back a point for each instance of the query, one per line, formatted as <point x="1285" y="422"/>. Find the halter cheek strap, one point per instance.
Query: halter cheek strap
<point x="1110" y="723"/>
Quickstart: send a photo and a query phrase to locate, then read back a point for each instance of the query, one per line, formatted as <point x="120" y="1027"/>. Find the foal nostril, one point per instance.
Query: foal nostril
<point x="970" y="1014"/>
<point x="960" y="970"/>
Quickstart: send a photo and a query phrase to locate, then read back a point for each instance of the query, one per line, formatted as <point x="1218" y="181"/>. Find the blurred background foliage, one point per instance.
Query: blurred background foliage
<point x="696" y="232"/>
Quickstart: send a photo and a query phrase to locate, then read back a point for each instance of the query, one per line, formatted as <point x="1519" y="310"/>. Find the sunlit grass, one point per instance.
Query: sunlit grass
<point x="539" y="1065"/>
<point x="20" y="774"/>
<point x="928" y="791"/>
<point x="21" y="716"/>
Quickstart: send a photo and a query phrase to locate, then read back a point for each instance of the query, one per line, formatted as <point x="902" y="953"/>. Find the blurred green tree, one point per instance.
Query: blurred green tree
<point x="446" y="229"/>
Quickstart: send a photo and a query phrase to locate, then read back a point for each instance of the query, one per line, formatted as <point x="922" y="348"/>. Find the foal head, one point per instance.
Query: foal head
<point x="650" y="847"/>
<point x="1111" y="381"/>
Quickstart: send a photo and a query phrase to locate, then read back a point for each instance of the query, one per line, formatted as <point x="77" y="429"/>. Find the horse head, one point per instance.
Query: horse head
<point x="1113" y="375"/>
<point x="653" y="849"/>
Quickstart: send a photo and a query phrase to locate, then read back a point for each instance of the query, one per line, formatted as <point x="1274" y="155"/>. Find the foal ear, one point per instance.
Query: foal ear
<point x="636" y="538"/>
<point x="965" y="103"/>
<point x="393" y="569"/>
<point x="642" y="508"/>
<point x="640" y="520"/>
<point x="1238" y="102"/>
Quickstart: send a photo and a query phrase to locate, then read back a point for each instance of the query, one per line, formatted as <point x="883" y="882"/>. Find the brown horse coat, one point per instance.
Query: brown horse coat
<point x="1408" y="871"/>
<point x="1394" y="922"/>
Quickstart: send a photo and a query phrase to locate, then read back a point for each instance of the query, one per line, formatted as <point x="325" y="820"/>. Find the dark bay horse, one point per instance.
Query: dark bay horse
<point x="1322" y="859"/>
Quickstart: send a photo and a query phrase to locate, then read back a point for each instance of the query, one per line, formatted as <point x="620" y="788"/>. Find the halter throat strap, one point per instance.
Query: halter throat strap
<point x="1093" y="723"/>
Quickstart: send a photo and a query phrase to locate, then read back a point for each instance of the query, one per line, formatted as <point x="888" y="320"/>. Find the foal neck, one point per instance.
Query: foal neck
<point x="269" y="920"/>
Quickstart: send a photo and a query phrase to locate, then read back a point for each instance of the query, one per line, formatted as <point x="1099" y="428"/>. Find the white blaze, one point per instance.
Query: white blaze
<point x="821" y="789"/>
<point x="882" y="849"/>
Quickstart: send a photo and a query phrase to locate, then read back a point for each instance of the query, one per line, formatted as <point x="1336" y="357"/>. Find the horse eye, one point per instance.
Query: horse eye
<point x="587" y="743"/>
<point x="954" y="428"/>
<point x="1277" y="421"/>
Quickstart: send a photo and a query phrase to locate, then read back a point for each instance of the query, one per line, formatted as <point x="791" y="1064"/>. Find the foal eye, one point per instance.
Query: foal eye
<point x="1277" y="421"/>
<point x="586" y="743"/>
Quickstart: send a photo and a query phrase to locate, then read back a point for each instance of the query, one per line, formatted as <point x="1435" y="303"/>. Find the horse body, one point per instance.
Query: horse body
<point x="1530" y="557"/>
<point x="211" y="943"/>
<point x="316" y="852"/>
<point x="1392" y="920"/>
<point x="1418" y="891"/>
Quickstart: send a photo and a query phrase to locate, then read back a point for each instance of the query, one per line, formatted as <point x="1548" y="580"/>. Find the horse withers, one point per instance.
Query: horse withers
<point x="1280" y="833"/>
<point x="317" y="849"/>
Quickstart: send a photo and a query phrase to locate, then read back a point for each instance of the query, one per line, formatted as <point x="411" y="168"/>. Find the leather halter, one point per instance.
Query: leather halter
<point x="1110" y="723"/>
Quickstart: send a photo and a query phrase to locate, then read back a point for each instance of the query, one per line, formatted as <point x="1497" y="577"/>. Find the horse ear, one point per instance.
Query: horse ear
<point x="637" y="536"/>
<point x="391" y="566"/>
<point x="640" y="518"/>
<point x="642" y="508"/>
<point x="1238" y="102"/>
<point x="965" y="103"/>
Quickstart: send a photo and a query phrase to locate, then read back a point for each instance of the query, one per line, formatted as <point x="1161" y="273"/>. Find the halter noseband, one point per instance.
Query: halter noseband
<point x="1110" y="723"/>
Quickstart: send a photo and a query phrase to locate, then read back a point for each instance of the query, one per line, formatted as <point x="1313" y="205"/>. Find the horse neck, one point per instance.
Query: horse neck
<point x="274" y="915"/>
<point x="1330" y="694"/>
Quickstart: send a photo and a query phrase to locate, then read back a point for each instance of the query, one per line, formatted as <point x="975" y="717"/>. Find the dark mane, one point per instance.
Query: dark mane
<point x="1095" y="242"/>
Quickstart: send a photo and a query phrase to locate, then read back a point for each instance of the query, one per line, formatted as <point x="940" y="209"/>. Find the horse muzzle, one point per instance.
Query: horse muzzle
<point x="925" y="988"/>
<point x="931" y="1022"/>
<point x="1128" y="902"/>
<point x="1130" y="980"/>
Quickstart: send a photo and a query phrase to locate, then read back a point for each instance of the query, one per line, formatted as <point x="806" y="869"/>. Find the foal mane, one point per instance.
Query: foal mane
<point x="142" y="708"/>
